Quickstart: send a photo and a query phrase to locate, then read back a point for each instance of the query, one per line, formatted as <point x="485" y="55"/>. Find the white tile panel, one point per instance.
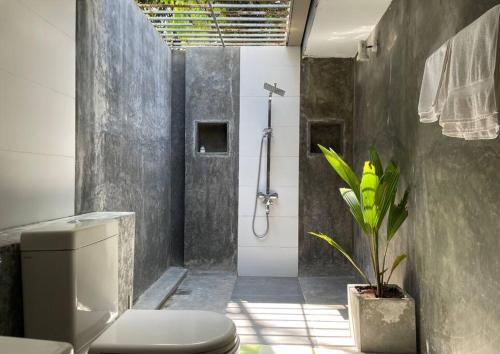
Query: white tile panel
<point x="59" y="13"/>
<point x="284" y="171"/>
<point x="283" y="232"/>
<point x="252" y="80"/>
<point x="262" y="57"/>
<point x="277" y="255"/>
<point x="248" y="172"/>
<point x="34" y="118"/>
<point x="285" y="111"/>
<point x="36" y="50"/>
<point x="37" y="110"/>
<point x="268" y="261"/>
<point x="284" y="142"/>
<point x="35" y="188"/>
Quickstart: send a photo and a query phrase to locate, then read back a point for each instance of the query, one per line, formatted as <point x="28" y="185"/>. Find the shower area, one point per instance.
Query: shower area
<point x="255" y="181"/>
<point x="269" y="138"/>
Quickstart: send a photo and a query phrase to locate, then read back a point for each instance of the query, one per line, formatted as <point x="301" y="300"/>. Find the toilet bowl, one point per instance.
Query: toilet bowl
<point x="70" y="294"/>
<point x="168" y="332"/>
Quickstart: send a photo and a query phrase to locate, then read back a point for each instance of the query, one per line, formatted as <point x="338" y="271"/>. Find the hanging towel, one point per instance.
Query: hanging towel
<point x="469" y="107"/>
<point x="433" y="76"/>
<point x="464" y="97"/>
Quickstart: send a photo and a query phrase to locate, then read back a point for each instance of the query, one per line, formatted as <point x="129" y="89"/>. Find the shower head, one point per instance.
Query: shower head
<point x="274" y="89"/>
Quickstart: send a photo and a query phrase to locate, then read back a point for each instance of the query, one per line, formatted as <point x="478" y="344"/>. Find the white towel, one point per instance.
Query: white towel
<point x="433" y="76"/>
<point x="470" y="108"/>
<point x="466" y="101"/>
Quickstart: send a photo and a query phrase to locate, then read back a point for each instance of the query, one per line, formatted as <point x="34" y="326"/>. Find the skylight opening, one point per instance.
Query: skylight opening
<point x="221" y="23"/>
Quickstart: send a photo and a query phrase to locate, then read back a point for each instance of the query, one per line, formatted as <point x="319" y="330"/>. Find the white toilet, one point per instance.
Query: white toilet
<point x="70" y="294"/>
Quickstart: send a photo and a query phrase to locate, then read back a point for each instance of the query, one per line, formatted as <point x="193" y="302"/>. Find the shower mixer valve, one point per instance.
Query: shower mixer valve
<point x="268" y="200"/>
<point x="268" y="132"/>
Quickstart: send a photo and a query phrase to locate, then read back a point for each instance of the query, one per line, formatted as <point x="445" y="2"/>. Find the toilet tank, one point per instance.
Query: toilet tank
<point x="70" y="280"/>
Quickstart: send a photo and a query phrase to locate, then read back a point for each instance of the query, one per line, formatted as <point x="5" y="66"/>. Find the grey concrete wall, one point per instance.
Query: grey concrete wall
<point x="177" y="146"/>
<point x="451" y="236"/>
<point x="123" y="127"/>
<point x="11" y="291"/>
<point x="211" y="209"/>
<point x="327" y="95"/>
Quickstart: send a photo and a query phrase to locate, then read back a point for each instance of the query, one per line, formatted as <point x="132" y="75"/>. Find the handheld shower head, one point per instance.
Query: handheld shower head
<point x="274" y="89"/>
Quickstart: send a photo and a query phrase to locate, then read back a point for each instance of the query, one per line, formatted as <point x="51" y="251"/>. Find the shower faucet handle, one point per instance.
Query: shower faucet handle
<point x="272" y="196"/>
<point x="267" y="197"/>
<point x="267" y="200"/>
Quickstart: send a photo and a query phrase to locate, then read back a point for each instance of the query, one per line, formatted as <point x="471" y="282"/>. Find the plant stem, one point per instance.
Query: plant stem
<point x="383" y="261"/>
<point x="377" y="265"/>
<point x="372" y="253"/>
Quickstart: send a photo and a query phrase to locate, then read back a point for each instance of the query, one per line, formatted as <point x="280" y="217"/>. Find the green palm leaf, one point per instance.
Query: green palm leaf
<point x="395" y="264"/>
<point x="375" y="161"/>
<point x="354" y="207"/>
<point x="341" y="250"/>
<point x="342" y="169"/>
<point x="397" y="215"/>
<point x="369" y="185"/>
<point x="386" y="192"/>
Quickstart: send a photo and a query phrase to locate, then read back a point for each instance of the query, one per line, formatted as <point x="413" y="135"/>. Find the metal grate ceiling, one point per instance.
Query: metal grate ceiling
<point x="216" y="23"/>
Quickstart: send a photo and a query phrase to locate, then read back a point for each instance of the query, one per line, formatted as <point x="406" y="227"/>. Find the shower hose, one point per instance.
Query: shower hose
<point x="263" y="235"/>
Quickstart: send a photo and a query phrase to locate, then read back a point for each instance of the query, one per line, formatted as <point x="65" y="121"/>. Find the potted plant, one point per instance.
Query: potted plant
<point x="381" y="315"/>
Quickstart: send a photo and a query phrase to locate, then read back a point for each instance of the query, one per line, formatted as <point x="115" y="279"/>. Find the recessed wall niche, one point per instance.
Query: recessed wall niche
<point x="330" y="134"/>
<point x="211" y="137"/>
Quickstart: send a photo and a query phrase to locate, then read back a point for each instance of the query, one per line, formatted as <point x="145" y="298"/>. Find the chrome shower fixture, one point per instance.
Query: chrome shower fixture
<point x="274" y="89"/>
<point x="267" y="197"/>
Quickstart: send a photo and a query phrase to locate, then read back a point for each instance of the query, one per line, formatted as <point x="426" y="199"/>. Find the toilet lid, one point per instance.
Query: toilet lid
<point x="166" y="332"/>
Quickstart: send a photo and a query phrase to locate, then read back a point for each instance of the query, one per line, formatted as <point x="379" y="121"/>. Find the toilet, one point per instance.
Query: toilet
<point x="70" y="294"/>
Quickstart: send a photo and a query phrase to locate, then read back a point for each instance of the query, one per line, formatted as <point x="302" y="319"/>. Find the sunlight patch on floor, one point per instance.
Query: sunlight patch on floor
<point x="290" y="349"/>
<point x="291" y="328"/>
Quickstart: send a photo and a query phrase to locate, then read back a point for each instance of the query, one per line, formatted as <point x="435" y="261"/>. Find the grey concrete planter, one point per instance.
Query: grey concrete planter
<point x="382" y="325"/>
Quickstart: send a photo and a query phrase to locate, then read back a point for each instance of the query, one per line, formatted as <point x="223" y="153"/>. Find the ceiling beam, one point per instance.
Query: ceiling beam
<point x="298" y="21"/>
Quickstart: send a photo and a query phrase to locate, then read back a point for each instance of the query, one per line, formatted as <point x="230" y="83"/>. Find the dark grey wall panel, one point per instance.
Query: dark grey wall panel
<point x="177" y="143"/>
<point x="327" y="95"/>
<point x="211" y="215"/>
<point x="11" y="292"/>
<point x="452" y="236"/>
<point x="123" y="126"/>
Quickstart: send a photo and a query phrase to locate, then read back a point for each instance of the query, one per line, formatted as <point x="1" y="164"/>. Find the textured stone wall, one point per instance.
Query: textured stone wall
<point x="177" y="146"/>
<point x="327" y="95"/>
<point x="123" y="127"/>
<point x="11" y="292"/>
<point x="452" y="234"/>
<point x="211" y="209"/>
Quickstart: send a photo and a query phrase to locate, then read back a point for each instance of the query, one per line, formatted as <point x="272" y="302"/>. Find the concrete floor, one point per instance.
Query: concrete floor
<point x="274" y="315"/>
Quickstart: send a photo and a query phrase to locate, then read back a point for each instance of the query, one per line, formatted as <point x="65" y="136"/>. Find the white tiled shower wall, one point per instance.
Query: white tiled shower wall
<point x="37" y="110"/>
<point x="277" y="254"/>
